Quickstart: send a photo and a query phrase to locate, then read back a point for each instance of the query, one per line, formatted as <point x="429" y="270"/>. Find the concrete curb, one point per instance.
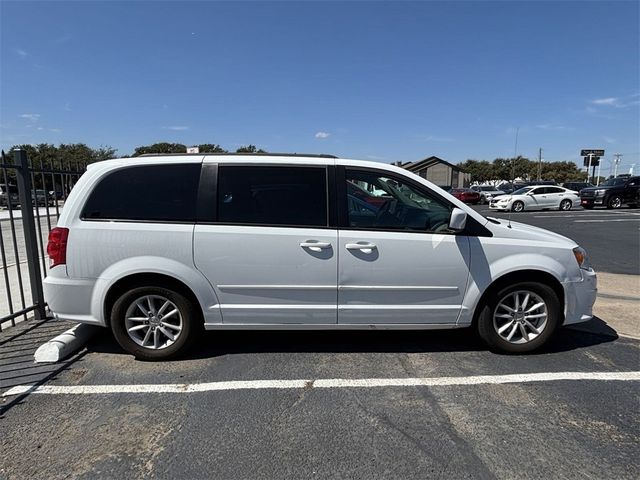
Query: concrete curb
<point x="64" y="344"/>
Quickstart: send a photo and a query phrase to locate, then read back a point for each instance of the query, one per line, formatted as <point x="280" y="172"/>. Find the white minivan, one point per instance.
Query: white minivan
<point x="157" y="248"/>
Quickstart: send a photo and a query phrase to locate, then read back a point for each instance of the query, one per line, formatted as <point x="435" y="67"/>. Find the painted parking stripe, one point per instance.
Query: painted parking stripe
<point x="609" y="220"/>
<point x="321" y="383"/>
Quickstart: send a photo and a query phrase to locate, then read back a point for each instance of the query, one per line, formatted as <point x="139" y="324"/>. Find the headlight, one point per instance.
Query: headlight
<point x="582" y="258"/>
<point x="600" y="192"/>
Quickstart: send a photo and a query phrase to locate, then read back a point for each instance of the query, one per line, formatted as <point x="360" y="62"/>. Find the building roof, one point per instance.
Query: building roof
<point x="429" y="162"/>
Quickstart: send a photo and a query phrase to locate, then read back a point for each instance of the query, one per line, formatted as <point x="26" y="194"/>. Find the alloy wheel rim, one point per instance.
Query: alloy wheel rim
<point x="566" y="205"/>
<point x="518" y="207"/>
<point x="520" y="317"/>
<point x="153" y="322"/>
<point x="616" y="202"/>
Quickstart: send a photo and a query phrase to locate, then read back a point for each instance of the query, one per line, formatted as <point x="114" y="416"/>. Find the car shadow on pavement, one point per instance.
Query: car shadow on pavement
<point x="219" y="343"/>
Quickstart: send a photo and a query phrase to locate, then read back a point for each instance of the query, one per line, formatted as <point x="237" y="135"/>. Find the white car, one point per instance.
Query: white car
<point x="161" y="247"/>
<point x="541" y="197"/>
<point x="487" y="192"/>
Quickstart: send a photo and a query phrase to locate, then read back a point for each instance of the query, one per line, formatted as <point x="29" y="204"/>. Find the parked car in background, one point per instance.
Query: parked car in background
<point x="509" y="187"/>
<point x="9" y="196"/>
<point x="225" y="242"/>
<point x="487" y="192"/>
<point x="612" y="193"/>
<point x="466" y="195"/>
<point x="446" y="188"/>
<point x="576" y="186"/>
<point x="43" y="198"/>
<point x="537" y="198"/>
<point x="541" y="182"/>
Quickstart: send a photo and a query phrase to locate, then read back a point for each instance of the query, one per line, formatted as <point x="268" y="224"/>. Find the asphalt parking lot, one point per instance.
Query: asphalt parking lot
<point x="340" y="404"/>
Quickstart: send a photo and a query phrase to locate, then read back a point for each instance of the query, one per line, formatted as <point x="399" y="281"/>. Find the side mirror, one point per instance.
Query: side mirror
<point x="458" y="220"/>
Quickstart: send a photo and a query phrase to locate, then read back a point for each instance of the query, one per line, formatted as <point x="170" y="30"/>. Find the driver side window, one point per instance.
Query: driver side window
<point x="375" y="201"/>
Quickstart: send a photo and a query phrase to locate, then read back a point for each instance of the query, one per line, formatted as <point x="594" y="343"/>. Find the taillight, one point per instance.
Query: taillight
<point x="57" y="246"/>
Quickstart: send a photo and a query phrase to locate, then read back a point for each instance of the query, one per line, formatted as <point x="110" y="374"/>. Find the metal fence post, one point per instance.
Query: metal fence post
<point x="23" y="179"/>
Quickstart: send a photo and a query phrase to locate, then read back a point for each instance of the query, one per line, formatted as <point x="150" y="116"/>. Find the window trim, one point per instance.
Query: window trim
<point x="210" y="181"/>
<point x="109" y="173"/>
<point x="473" y="227"/>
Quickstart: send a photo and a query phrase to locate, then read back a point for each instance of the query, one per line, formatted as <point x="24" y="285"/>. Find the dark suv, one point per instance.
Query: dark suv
<point x="577" y="186"/>
<point x="613" y="193"/>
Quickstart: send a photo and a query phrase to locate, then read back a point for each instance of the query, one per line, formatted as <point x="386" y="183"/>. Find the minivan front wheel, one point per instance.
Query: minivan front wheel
<point x="519" y="318"/>
<point x="154" y="323"/>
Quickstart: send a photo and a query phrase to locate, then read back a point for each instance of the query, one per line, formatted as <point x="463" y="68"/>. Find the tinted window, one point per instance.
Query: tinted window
<point x="274" y="195"/>
<point x="379" y="202"/>
<point x="154" y="192"/>
<point x="554" y="190"/>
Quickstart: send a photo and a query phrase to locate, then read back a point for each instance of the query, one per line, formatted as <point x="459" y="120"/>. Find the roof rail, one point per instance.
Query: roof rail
<point x="265" y="154"/>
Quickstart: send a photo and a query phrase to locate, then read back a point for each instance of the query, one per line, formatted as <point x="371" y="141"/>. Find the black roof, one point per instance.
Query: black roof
<point x="430" y="161"/>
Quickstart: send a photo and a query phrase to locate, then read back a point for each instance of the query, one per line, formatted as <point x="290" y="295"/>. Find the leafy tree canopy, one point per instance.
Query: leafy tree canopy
<point x="523" y="168"/>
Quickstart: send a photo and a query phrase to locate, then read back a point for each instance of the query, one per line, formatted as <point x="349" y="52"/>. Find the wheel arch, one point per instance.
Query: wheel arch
<point x="529" y="275"/>
<point x="141" y="271"/>
<point x="135" y="280"/>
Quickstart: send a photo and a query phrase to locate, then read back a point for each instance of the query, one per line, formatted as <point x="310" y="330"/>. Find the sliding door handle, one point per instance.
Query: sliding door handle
<point x="315" y="246"/>
<point x="364" y="247"/>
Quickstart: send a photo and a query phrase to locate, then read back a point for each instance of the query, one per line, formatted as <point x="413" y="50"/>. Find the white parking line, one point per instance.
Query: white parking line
<point x="321" y="383"/>
<point x="609" y="220"/>
<point x="609" y="215"/>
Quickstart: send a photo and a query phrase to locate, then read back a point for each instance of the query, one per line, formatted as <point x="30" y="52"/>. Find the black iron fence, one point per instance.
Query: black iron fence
<point x="31" y="196"/>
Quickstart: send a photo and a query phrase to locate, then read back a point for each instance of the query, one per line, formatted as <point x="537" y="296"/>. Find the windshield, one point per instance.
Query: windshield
<point x="612" y="182"/>
<point x="488" y="189"/>
<point x="522" y="191"/>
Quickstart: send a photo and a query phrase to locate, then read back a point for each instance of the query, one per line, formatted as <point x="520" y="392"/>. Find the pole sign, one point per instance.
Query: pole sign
<point x="595" y="153"/>
<point x="591" y="157"/>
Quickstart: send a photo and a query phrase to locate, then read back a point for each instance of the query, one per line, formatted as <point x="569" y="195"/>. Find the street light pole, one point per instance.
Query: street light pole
<point x="539" y="164"/>
<point x="589" y="166"/>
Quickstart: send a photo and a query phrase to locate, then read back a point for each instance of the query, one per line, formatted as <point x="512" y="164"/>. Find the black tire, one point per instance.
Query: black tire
<point x="614" y="202"/>
<point x="517" y="206"/>
<point x="191" y="324"/>
<point x="489" y="334"/>
<point x="565" y="205"/>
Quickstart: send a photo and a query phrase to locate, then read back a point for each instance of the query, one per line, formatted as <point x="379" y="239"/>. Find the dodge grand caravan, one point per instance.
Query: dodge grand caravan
<point x="160" y="247"/>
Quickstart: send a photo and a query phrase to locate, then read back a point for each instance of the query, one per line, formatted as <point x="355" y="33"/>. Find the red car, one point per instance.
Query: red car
<point x="466" y="195"/>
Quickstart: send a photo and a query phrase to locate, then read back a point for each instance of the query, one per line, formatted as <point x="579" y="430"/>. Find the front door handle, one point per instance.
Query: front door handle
<point x="315" y="246"/>
<point x="364" y="247"/>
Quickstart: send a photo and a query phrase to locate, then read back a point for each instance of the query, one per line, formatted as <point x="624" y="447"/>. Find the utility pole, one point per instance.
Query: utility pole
<point x="598" y="176"/>
<point x="616" y="162"/>
<point x="539" y="164"/>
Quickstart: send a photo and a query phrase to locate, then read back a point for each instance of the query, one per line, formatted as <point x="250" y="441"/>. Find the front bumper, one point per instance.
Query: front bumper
<point x="579" y="298"/>
<point x="497" y="206"/>
<point x="591" y="201"/>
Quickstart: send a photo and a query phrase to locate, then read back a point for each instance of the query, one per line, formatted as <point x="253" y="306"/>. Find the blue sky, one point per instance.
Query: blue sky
<point x="383" y="81"/>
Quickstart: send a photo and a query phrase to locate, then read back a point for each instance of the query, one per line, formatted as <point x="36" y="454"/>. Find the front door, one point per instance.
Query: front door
<point x="398" y="263"/>
<point x="268" y="250"/>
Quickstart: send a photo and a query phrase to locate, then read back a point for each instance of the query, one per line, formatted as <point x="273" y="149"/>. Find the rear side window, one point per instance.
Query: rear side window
<point x="153" y="193"/>
<point x="272" y="195"/>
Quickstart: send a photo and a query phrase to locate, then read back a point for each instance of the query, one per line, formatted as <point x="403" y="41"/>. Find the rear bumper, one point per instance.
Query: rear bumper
<point x="580" y="297"/>
<point x="70" y="299"/>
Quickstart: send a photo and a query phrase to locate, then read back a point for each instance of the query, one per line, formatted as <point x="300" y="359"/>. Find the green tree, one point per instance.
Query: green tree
<point x="250" y="149"/>
<point x="162" y="147"/>
<point x="211" y="148"/>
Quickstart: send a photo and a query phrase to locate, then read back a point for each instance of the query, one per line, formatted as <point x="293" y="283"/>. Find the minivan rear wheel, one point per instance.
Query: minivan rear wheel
<point x="519" y="318"/>
<point x="154" y="323"/>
